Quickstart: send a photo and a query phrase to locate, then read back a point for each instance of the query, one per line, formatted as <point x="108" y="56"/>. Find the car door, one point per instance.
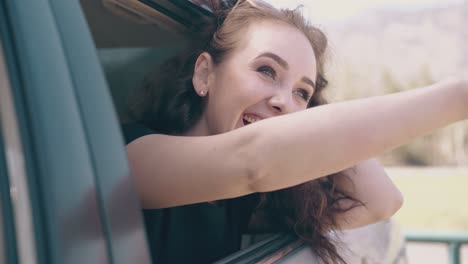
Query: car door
<point x="68" y="197"/>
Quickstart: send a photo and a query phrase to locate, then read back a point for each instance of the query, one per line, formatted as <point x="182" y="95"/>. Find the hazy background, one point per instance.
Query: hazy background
<point x="382" y="46"/>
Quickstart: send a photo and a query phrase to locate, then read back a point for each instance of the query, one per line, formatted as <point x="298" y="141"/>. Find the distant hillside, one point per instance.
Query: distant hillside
<point x="383" y="44"/>
<point x="386" y="51"/>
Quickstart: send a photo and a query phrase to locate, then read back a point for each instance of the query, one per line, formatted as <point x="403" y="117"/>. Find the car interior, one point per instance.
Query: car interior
<point x="133" y="37"/>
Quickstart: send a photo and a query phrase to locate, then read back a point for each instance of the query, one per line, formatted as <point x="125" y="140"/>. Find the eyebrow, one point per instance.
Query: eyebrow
<point x="285" y="65"/>
<point x="276" y="58"/>
<point x="308" y="81"/>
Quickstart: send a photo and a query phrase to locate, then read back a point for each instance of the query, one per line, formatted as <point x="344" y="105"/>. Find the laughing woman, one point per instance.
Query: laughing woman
<point x="234" y="137"/>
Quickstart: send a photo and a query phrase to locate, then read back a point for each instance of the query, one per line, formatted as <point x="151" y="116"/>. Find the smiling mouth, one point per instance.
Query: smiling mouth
<point x="249" y="119"/>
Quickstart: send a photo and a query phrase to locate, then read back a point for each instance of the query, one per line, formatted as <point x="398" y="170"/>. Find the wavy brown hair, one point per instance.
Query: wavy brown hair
<point x="170" y="105"/>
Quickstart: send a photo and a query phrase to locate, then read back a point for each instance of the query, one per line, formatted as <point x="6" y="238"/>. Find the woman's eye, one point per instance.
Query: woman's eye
<point x="267" y="71"/>
<point x="304" y="94"/>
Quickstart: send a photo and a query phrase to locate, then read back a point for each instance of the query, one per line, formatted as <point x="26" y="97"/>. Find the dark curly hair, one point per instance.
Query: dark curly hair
<point x="170" y="105"/>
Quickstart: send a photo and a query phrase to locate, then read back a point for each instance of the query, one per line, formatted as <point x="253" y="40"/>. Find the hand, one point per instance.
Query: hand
<point x="460" y="86"/>
<point x="465" y="85"/>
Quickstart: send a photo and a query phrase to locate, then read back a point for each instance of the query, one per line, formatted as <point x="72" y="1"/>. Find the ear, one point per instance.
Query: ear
<point x="203" y="74"/>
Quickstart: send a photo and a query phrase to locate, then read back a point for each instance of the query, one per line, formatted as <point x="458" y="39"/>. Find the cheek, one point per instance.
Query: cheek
<point x="301" y="108"/>
<point x="241" y="86"/>
<point x="245" y="87"/>
<point x="256" y="85"/>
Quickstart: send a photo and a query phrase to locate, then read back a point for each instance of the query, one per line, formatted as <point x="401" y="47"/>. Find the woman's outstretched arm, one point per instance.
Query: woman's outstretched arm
<point x="330" y="138"/>
<point x="288" y="150"/>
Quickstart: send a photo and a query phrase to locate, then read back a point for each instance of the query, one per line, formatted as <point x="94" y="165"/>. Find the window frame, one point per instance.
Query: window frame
<point x="106" y="146"/>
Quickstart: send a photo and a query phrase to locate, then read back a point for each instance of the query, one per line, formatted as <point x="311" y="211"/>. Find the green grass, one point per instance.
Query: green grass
<point x="433" y="200"/>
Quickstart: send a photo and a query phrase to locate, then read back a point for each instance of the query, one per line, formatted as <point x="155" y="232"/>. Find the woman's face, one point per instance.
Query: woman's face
<point x="271" y="73"/>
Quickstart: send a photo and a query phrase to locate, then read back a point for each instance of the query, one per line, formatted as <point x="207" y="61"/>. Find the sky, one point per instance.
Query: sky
<point x="335" y="11"/>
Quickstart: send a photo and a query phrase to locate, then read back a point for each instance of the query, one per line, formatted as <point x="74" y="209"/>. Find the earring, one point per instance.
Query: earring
<point x="202" y="93"/>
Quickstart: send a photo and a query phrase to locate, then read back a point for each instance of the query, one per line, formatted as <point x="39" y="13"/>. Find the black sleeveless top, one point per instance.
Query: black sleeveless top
<point x="196" y="233"/>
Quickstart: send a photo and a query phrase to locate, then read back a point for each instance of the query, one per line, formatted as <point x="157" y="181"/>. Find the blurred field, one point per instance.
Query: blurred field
<point x="435" y="198"/>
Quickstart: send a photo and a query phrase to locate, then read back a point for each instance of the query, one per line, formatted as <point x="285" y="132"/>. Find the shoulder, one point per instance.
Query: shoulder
<point x="132" y="131"/>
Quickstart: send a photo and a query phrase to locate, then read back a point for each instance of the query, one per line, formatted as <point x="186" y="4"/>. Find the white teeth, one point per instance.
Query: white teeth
<point x="251" y="119"/>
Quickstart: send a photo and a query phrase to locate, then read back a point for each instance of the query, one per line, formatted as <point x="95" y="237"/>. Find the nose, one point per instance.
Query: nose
<point x="281" y="102"/>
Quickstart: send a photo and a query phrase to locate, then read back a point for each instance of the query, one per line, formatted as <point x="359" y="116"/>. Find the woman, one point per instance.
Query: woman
<point x="235" y="137"/>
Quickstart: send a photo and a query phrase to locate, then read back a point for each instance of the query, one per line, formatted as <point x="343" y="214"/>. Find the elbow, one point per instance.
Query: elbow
<point x="257" y="176"/>
<point x="252" y="163"/>
<point x="257" y="180"/>
<point x="390" y="208"/>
